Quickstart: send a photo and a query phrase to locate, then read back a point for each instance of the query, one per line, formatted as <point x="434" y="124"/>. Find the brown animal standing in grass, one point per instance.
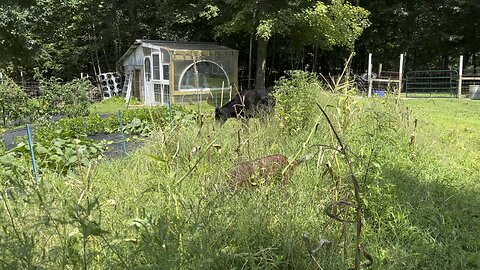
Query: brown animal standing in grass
<point x="263" y="170"/>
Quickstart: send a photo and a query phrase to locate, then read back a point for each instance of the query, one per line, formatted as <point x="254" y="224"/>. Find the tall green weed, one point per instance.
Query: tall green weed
<point x="295" y="97"/>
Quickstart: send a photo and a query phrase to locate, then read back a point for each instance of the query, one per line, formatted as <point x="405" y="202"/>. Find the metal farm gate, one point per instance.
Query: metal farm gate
<point x="431" y="83"/>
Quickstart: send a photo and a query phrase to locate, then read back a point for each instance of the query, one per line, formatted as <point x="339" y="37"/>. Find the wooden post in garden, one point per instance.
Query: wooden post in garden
<point x="400" y="75"/>
<point x="197" y="84"/>
<point x="369" y="94"/>
<point x="460" y="75"/>
<point x="23" y="80"/>
<point x="221" y="96"/>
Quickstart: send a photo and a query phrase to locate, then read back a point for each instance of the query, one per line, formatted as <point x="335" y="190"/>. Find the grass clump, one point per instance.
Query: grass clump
<point x="111" y="105"/>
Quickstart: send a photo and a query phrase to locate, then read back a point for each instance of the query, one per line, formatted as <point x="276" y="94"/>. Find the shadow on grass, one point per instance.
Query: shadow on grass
<point x="434" y="223"/>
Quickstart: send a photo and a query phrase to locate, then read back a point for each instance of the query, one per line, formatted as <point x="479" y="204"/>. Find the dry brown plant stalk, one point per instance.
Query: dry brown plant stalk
<point x="356" y="187"/>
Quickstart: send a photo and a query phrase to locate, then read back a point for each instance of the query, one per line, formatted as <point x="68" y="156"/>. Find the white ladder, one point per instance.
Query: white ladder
<point x="129" y="87"/>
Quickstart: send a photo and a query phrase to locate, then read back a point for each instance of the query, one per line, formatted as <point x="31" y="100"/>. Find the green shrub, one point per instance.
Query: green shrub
<point x="68" y="98"/>
<point x="295" y="97"/>
<point x="14" y="172"/>
<point x="13" y="101"/>
<point x="137" y="126"/>
<point x="77" y="109"/>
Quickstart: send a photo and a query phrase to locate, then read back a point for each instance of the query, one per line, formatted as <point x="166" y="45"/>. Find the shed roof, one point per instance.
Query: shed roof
<point x="174" y="46"/>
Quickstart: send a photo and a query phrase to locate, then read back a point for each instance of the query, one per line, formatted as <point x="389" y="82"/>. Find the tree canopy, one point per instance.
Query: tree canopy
<point x="432" y="33"/>
<point x="65" y="38"/>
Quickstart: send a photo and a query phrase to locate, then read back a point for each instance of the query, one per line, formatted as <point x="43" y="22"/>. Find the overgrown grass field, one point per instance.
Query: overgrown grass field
<point x="169" y="205"/>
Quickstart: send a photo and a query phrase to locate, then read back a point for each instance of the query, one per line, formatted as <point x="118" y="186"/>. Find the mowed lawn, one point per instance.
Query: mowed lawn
<point x="451" y="129"/>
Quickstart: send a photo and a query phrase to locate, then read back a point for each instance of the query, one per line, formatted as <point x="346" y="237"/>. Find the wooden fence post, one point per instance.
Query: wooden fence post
<point x="460" y="77"/>
<point x="400" y="75"/>
<point x="370" y="82"/>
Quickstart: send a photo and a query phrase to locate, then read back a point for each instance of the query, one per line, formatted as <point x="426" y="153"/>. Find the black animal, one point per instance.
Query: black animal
<point x="245" y="104"/>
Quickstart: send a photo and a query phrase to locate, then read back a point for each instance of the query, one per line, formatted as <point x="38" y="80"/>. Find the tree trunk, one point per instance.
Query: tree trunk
<point x="474" y="62"/>
<point x="132" y="18"/>
<point x="261" y="63"/>
<point x="315" y="58"/>
<point x="249" y="83"/>
<point x="445" y="62"/>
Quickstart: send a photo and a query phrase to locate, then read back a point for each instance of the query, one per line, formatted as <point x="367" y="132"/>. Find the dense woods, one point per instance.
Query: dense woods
<point x="65" y="38"/>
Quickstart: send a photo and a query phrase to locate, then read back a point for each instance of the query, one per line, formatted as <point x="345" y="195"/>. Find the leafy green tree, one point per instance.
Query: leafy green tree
<point x="15" y="33"/>
<point x="64" y="38"/>
<point x="336" y="23"/>
<point x="13" y="101"/>
<point x="432" y="33"/>
<point x="465" y="31"/>
<point x="73" y="35"/>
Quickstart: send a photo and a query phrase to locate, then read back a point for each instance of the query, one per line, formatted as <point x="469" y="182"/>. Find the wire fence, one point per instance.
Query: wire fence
<point x="469" y="79"/>
<point x="451" y="83"/>
<point x="431" y="83"/>
<point x="31" y="88"/>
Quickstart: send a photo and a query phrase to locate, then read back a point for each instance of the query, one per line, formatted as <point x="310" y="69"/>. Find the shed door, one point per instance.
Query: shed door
<point x="161" y="75"/>
<point x="149" y="88"/>
<point x="136" y="84"/>
<point x="166" y="95"/>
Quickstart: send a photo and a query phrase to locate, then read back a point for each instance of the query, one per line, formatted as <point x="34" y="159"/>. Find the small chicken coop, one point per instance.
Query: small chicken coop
<point x="157" y="72"/>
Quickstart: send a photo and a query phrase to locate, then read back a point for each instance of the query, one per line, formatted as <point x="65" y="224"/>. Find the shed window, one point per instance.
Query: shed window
<point x="156" y="67"/>
<point x="210" y="75"/>
<point x="166" y="72"/>
<point x="148" y="69"/>
<point x="157" y="92"/>
<point x="165" y="56"/>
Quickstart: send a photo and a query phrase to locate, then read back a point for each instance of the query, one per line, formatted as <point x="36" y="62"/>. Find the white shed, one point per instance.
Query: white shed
<point x="159" y="71"/>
